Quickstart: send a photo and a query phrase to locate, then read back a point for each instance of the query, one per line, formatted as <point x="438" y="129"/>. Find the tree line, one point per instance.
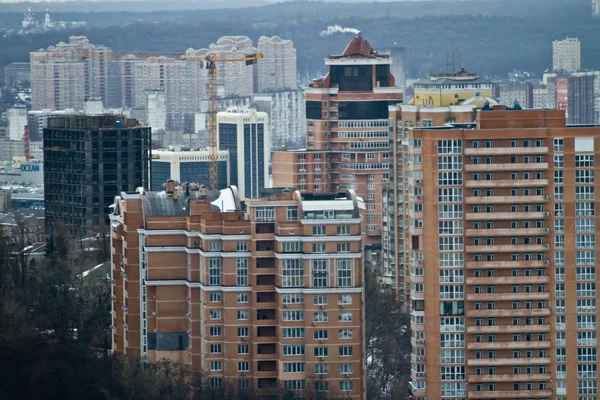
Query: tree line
<point x="55" y="333"/>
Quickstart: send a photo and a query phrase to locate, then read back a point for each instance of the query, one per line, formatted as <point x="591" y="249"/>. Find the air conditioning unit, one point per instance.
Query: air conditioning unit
<point x="321" y="306"/>
<point x="420" y="358"/>
<point x="418" y="181"/>
<point x="547" y="262"/>
<point x="314" y="324"/>
<point x="243" y="338"/>
<point x="341" y="306"/>
<point x="154" y="313"/>
<point x="188" y="315"/>
<point x="547" y="245"/>
<point x="547" y="197"/>
<point x="346" y="375"/>
<point x="322" y="358"/>
<point x="321" y="340"/>
<point x="114" y="297"/>
<point x="546" y="229"/>
<point x="285" y="306"/>
<point x="547" y="214"/>
<point x="419" y="197"/>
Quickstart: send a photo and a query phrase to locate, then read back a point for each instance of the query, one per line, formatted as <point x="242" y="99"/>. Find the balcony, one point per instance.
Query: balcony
<point x="417" y="342"/>
<point x="484" y="362"/>
<point x="506" y="183"/>
<point x="417" y="295"/>
<point x="508" y="232"/>
<point x="414" y="358"/>
<point x="506" y="215"/>
<point x="512" y="394"/>
<point x="509" y="378"/>
<point x="512" y="151"/>
<point x="507" y="280"/>
<point x="509" y="329"/>
<point x="508" y="296"/>
<point x="505" y="264"/>
<point x="521" y="312"/>
<point x="507" y="248"/>
<point x="415" y="214"/>
<point x="506" y="167"/>
<point x="508" y="345"/>
<point x="506" y="199"/>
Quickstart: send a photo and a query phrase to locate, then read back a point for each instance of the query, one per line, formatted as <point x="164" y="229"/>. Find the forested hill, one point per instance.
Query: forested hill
<point x="494" y="37"/>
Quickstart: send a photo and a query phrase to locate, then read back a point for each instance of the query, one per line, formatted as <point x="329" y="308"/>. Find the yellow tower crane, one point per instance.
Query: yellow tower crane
<point x="213" y="146"/>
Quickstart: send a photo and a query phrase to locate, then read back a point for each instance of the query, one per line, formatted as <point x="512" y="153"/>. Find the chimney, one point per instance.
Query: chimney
<point x="170" y="186"/>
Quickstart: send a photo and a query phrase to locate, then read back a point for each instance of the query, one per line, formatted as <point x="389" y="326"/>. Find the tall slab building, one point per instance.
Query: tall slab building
<point x="502" y="241"/>
<point x="347" y="143"/>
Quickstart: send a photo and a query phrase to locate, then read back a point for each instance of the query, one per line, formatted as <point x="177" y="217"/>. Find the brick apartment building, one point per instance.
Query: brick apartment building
<point x="347" y="143"/>
<point x="269" y="297"/>
<point x="507" y="308"/>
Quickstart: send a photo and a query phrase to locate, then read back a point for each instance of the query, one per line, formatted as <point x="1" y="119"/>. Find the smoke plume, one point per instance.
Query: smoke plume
<point x="333" y="29"/>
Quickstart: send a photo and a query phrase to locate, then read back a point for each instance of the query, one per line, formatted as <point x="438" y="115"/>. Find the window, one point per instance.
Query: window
<point x="586" y="354"/>
<point x="215" y="348"/>
<point x="584" y="193"/>
<point x="585" y="225"/>
<point x="318" y="248"/>
<point x="243" y="366"/>
<point x="343" y="247"/>
<point x="345" y="317"/>
<point x="242" y="246"/>
<point x="319" y="230"/>
<point x="321" y="352"/>
<point x="344" y="272"/>
<point x="584" y="176"/>
<point x="242" y="271"/>
<point x="587" y="289"/>
<point x="319" y="270"/>
<point x="292" y="333"/>
<point x="292" y="213"/>
<point x="294" y="384"/>
<point x="293" y="273"/>
<point x="243" y="349"/>
<point x="320" y="317"/>
<point x="321" y="369"/>
<point x="215" y="331"/>
<point x="293" y="349"/>
<point x="559" y="178"/>
<point x="346" y="386"/>
<point x="263" y="213"/>
<point x="215" y="314"/>
<point x="214" y="271"/>
<point x="320" y="300"/>
<point x="215" y="297"/>
<point x="216" y="366"/>
<point x="345" y="333"/>
<point x="242" y="297"/>
<point x="294" y="367"/>
<point x="449" y="146"/>
<point x="295" y="315"/>
<point x="344" y="299"/>
<point x="242" y="315"/>
<point x="321" y="334"/>
<point x="346" y="369"/>
<point x="584" y="161"/>
<point x="345" y="351"/>
<point x="242" y="332"/>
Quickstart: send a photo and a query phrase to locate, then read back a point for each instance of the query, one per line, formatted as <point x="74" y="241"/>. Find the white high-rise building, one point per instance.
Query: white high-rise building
<point x="566" y="55"/>
<point x="17" y="121"/>
<point x="287" y="117"/>
<point x="244" y="132"/>
<point x="156" y="113"/>
<point x="63" y="76"/>
<point x="277" y="70"/>
<point x="236" y="78"/>
<point x="596" y="8"/>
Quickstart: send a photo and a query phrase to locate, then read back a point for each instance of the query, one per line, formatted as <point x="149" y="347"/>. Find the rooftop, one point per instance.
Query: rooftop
<point x="359" y="47"/>
<point x="452" y="78"/>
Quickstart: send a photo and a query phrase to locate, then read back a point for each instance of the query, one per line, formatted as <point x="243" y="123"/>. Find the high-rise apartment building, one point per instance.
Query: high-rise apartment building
<point x="507" y="306"/>
<point x="87" y="160"/>
<point x="596" y="8"/>
<point x="442" y="90"/>
<point x="17" y="121"/>
<point x="522" y="94"/>
<point x="186" y="166"/>
<point x="405" y="166"/>
<point x="566" y="55"/>
<point x="277" y="70"/>
<point x="576" y="94"/>
<point x="347" y="144"/>
<point x="270" y="297"/>
<point x="540" y="97"/>
<point x="65" y="75"/>
<point x="287" y="118"/>
<point x="234" y="78"/>
<point x="245" y="133"/>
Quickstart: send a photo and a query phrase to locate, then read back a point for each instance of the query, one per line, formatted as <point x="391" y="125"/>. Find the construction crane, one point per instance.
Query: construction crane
<point x="213" y="146"/>
<point x="209" y="62"/>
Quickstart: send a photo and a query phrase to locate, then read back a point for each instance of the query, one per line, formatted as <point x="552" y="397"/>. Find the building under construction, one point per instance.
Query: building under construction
<point x="87" y="160"/>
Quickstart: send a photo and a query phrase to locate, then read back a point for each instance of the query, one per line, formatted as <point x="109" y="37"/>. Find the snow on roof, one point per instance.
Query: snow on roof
<point x="320" y="205"/>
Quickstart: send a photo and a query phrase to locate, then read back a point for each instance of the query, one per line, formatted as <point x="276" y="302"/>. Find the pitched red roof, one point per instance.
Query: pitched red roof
<point x="359" y="47"/>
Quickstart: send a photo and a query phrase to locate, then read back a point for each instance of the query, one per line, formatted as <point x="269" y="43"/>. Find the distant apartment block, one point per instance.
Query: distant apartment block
<point x="576" y="94"/>
<point x="266" y="297"/>
<point x="566" y="55"/>
<point x="442" y="90"/>
<point x="17" y="121"/>
<point x="277" y="70"/>
<point x="522" y="94"/>
<point x="287" y="119"/>
<point x="17" y="74"/>
<point x="540" y="97"/>
<point x="87" y="160"/>
<point x="65" y="75"/>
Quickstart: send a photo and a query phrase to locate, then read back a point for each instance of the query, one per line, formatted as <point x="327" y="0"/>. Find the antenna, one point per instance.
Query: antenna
<point x="453" y="62"/>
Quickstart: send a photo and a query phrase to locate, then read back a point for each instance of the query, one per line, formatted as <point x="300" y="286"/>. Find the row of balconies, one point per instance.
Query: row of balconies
<point x="508" y="329"/>
<point x="508" y="151"/>
<point x="507" y="199"/>
<point x="507" y="280"/>
<point x="508" y="183"/>
<point x="511" y="394"/>
<point x="508" y="345"/>
<point x="508" y="232"/>
<point x="508" y="378"/>
<point x="507" y="215"/>
<point x="508" y="248"/>
<point x="507" y="296"/>
<point x="485" y="362"/>
<point x="506" y="167"/>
